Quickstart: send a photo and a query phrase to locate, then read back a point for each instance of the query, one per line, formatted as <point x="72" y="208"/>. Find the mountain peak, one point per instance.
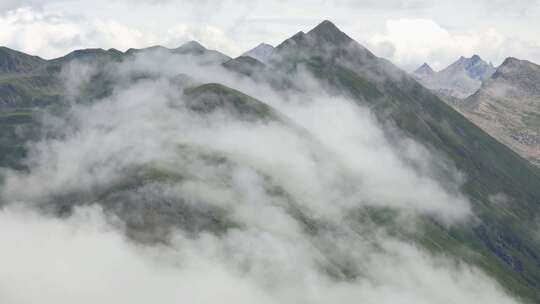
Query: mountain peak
<point x="328" y="31"/>
<point x="522" y="71"/>
<point x="460" y="79"/>
<point x="261" y="52"/>
<point x="326" y="25"/>
<point x="468" y="61"/>
<point x="264" y="45"/>
<point x="510" y="61"/>
<point x="475" y="67"/>
<point x="425" y="69"/>
<point x="192" y="46"/>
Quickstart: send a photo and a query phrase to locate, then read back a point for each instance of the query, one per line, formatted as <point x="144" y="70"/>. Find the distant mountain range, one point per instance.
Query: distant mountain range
<point x="503" y="101"/>
<point x="460" y="80"/>
<point x="501" y="241"/>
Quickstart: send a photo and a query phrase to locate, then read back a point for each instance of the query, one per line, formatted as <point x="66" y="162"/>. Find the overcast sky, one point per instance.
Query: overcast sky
<point x="406" y="32"/>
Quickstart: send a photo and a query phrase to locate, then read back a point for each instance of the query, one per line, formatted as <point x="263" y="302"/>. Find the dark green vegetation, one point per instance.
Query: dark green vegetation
<point x="12" y="61"/>
<point x="245" y="65"/>
<point x="503" y="242"/>
<point x="209" y="97"/>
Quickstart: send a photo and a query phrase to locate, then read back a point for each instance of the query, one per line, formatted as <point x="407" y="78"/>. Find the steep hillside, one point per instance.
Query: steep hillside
<point x="12" y="61"/>
<point x="508" y="107"/>
<point x="491" y="168"/>
<point x="163" y="152"/>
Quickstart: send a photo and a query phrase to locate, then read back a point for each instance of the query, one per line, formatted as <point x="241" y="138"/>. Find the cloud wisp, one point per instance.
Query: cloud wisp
<point x="141" y="197"/>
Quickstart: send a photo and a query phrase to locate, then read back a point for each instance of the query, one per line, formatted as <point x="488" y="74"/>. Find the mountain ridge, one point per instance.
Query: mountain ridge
<point x="460" y="79"/>
<point x="12" y="61"/>
<point x="499" y="241"/>
<point x="507" y="107"/>
<point x="261" y="52"/>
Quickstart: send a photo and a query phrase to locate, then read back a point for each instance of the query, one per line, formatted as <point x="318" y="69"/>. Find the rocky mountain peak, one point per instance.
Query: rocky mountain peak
<point x="424" y="69"/>
<point x="460" y="79"/>
<point x="329" y="32"/>
<point x="261" y="52"/>
<point x="522" y="74"/>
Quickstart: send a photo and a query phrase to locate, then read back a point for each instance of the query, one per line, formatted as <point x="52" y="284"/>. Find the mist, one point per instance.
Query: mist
<point x="139" y="196"/>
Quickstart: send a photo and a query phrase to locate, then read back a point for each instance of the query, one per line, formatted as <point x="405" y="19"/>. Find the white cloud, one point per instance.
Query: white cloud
<point x="50" y="35"/>
<point x="85" y="259"/>
<point x="411" y="42"/>
<point x="54" y="34"/>
<point x="211" y="37"/>
<point x="310" y="173"/>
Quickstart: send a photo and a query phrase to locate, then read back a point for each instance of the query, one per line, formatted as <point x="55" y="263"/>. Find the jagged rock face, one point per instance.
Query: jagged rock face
<point x="508" y="107"/>
<point x="459" y="80"/>
<point x="262" y="52"/>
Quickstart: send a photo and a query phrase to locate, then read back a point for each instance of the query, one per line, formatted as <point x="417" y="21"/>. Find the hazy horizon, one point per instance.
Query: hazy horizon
<point x="408" y="33"/>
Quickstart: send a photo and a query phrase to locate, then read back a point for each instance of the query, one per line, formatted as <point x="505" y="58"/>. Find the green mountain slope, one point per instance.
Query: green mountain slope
<point x="501" y="242"/>
<point x="12" y="61"/>
<point x="208" y="98"/>
<point x="504" y="237"/>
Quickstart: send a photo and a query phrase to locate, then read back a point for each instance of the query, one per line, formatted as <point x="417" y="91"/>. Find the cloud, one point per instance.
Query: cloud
<point x="86" y="259"/>
<point x="411" y="42"/>
<point x="52" y="35"/>
<point x="7" y="5"/>
<point x="512" y="8"/>
<point x="209" y="36"/>
<point x="303" y="169"/>
<point x="172" y="204"/>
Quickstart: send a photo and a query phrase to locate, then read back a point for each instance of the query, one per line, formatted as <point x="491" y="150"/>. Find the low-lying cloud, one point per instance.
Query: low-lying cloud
<point x="138" y="197"/>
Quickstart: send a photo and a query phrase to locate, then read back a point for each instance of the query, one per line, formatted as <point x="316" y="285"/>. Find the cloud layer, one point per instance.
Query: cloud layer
<point x="174" y="204"/>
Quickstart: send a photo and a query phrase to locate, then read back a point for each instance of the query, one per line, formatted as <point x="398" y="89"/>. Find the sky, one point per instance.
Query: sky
<point x="406" y="32"/>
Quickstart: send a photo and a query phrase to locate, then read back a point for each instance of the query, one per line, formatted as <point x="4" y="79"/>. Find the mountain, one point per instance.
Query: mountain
<point x="507" y="106"/>
<point x="490" y="167"/>
<point x="191" y="48"/>
<point x="12" y="61"/>
<point x="211" y="97"/>
<point x="424" y="71"/>
<point x="155" y="48"/>
<point x="460" y="79"/>
<point x="88" y="55"/>
<point x="197" y="49"/>
<point x="500" y="240"/>
<point x="261" y="52"/>
<point x="245" y="65"/>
